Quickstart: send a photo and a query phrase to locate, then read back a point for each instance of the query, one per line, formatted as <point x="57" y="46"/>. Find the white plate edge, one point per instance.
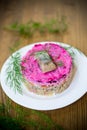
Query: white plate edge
<point x="37" y="43"/>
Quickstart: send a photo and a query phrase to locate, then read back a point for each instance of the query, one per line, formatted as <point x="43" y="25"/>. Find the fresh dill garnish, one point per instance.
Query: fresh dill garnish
<point x="31" y="27"/>
<point x="70" y="50"/>
<point x="14" y="76"/>
<point x="23" y="119"/>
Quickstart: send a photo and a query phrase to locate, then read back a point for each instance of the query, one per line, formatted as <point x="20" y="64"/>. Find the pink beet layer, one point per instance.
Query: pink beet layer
<point x="32" y="71"/>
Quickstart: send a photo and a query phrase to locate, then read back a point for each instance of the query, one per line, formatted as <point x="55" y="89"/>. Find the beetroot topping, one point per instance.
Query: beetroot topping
<point x="46" y="63"/>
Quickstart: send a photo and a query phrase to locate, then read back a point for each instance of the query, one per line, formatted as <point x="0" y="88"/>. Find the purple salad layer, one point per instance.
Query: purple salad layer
<point x="32" y="71"/>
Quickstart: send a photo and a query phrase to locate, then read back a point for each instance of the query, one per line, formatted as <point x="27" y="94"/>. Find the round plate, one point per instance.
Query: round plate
<point x="76" y="90"/>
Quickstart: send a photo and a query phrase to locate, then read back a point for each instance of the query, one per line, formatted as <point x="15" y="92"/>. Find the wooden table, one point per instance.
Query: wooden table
<point x="74" y="116"/>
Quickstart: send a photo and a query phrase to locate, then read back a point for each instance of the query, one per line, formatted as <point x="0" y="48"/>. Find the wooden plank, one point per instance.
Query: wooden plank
<point x="74" y="116"/>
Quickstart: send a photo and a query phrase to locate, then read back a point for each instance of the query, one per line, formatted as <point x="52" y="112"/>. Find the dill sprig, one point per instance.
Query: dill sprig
<point x="31" y="27"/>
<point x="27" y="118"/>
<point x="14" y="76"/>
<point x="70" y="50"/>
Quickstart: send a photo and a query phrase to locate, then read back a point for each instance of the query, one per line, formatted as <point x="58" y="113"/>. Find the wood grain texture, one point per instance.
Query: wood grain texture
<point x="74" y="116"/>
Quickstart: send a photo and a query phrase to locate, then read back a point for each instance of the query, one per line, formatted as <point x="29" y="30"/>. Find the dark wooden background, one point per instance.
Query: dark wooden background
<point x="74" y="116"/>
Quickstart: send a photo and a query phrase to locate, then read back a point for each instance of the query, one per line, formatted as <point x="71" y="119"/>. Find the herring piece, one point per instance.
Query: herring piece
<point x="45" y="62"/>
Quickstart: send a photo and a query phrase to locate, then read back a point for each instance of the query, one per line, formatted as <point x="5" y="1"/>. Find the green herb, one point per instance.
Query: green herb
<point x="28" y="29"/>
<point x="41" y="53"/>
<point x="14" y="76"/>
<point x="23" y="118"/>
<point x="7" y="123"/>
<point x="70" y="50"/>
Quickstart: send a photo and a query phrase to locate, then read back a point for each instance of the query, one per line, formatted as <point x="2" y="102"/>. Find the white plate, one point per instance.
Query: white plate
<point x="76" y="90"/>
